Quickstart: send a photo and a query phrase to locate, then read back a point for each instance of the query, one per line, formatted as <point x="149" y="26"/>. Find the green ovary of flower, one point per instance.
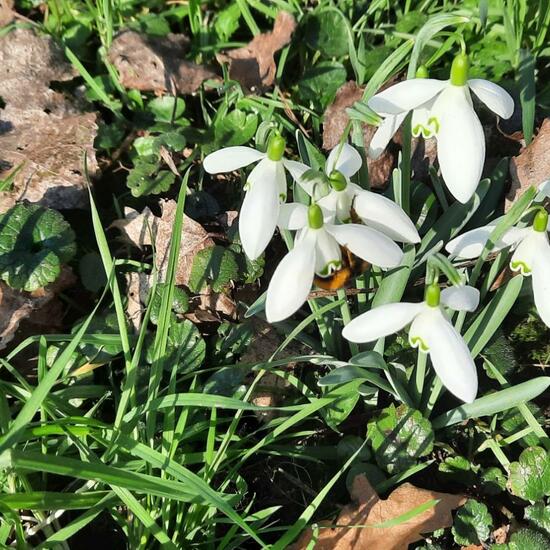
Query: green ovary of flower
<point x="540" y="223"/>
<point x="337" y="180"/>
<point x="422" y="72"/>
<point x="459" y="70"/>
<point x="276" y="147"/>
<point x="432" y="295"/>
<point x="315" y="217"/>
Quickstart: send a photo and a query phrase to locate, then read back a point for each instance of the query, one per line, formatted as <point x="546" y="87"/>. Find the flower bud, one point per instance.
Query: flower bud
<point x="337" y="180"/>
<point x="432" y="295"/>
<point x="315" y="216"/>
<point x="459" y="70"/>
<point x="422" y="72"/>
<point x="540" y="223"/>
<point x="276" y="147"/>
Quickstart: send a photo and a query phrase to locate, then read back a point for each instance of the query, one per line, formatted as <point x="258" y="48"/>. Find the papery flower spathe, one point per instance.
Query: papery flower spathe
<point x="430" y="331"/>
<point x="531" y="255"/>
<point x="266" y="188"/>
<point x="317" y="251"/>
<point x="443" y="108"/>
<point x="375" y="210"/>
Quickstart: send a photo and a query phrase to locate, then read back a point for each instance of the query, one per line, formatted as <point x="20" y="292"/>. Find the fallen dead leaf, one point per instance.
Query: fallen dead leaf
<point x="7" y="13"/>
<point x="335" y="121"/>
<point x="142" y="228"/>
<point x="218" y="302"/>
<point x="501" y="534"/>
<point x="531" y="166"/>
<point x="41" y="131"/>
<point x="368" y="508"/>
<point x="39" y="307"/>
<point x="156" y="64"/>
<point x="137" y="291"/>
<point x="254" y="65"/>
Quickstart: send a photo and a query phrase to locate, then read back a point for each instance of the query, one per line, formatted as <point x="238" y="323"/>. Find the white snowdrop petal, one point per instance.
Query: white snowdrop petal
<point x="338" y="203"/>
<point x="460" y="142"/>
<point x="524" y="256"/>
<point x="541" y="281"/>
<point x="291" y="282"/>
<point x="295" y="168"/>
<point x="346" y="159"/>
<point x="385" y="215"/>
<point x="292" y="215"/>
<point x="381" y="321"/>
<point x="460" y="298"/>
<point x="385" y="131"/>
<point x="449" y="353"/>
<point x="470" y="244"/>
<point x="260" y="210"/>
<point x="494" y="96"/>
<point x="328" y="256"/>
<point x="368" y="244"/>
<point x="231" y="158"/>
<point x="406" y="95"/>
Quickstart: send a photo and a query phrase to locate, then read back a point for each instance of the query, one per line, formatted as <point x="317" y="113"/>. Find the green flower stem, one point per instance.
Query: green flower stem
<point x="362" y="283"/>
<point x="434" y="395"/>
<point x="346" y="317"/>
<point x="419" y="377"/>
<point x="405" y="165"/>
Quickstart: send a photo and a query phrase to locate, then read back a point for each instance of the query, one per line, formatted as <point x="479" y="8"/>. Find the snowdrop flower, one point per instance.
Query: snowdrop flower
<point x="317" y="251"/>
<point x="443" y="108"/>
<point x="266" y="188"/>
<point x="531" y="255"/>
<point x="430" y="331"/>
<point x="374" y="209"/>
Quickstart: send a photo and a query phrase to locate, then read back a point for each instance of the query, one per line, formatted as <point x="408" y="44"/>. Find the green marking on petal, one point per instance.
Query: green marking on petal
<point x="520" y="266"/>
<point x="276" y="147"/>
<point x="315" y="217"/>
<point x="417" y="342"/>
<point x="459" y="70"/>
<point x="333" y="265"/>
<point x="433" y="121"/>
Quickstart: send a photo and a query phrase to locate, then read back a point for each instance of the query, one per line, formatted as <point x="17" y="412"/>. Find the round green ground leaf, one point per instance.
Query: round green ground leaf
<point x="214" y="265"/>
<point x="472" y="523"/>
<point x="319" y="83"/>
<point x="528" y="539"/>
<point x="529" y="477"/>
<point x="34" y="243"/>
<point x="180" y="302"/>
<point x="493" y="481"/>
<point x="166" y="108"/>
<point x="539" y="516"/>
<point x="399" y="437"/>
<point x="92" y="272"/>
<point x="235" y="128"/>
<point x="326" y="31"/>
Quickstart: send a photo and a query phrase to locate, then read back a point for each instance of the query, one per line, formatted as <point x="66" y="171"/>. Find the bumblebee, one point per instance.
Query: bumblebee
<point x="351" y="267"/>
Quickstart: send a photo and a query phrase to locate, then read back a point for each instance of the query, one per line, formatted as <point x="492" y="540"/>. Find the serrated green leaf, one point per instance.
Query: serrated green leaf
<point x="235" y="128"/>
<point x="319" y="83"/>
<point x="214" y="265"/>
<point x="529" y="477"/>
<point x="34" y="243"/>
<point x="472" y="523"/>
<point x="146" y="179"/>
<point x="399" y="437"/>
<point x="325" y="31"/>
<point x="492" y="481"/>
<point x="528" y="539"/>
<point x="180" y="302"/>
<point x="166" y="108"/>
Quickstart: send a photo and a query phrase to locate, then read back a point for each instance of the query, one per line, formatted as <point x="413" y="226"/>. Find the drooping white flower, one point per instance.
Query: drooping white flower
<point x="266" y="188"/>
<point x="375" y="210"/>
<point x="443" y="108"/>
<point x="531" y="255"/>
<point x="317" y="251"/>
<point x="430" y="331"/>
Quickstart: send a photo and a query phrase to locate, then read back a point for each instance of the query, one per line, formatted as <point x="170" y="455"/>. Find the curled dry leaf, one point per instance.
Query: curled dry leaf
<point x="7" y="13"/>
<point x="254" y="65"/>
<point x="156" y="64"/>
<point x="39" y="306"/>
<point x="142" y="229"/>
<point x="531" y="166"/>
<point x="41" y="131"/>
<point x="336" y="119"/>
<point x="368" y="508"/>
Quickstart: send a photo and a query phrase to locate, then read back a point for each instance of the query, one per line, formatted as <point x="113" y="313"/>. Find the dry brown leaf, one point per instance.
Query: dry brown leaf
<point x="218" y="302"/>
<point x="137" y="291"/>
<point x="368" y="508"/>
<point x="336" y="119"/>
<point x="140" y="228"/>
<point x="531" y="166"/>
<point x="7" y="13"/>
<point x="40" y="130"/>
<point x="254" y="65"/>
<point x="16" y="306"/>
<point x="156" y="64"/>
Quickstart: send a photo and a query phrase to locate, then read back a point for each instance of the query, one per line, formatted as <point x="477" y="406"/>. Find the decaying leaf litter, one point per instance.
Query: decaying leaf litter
<point x="49" y="130"/>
